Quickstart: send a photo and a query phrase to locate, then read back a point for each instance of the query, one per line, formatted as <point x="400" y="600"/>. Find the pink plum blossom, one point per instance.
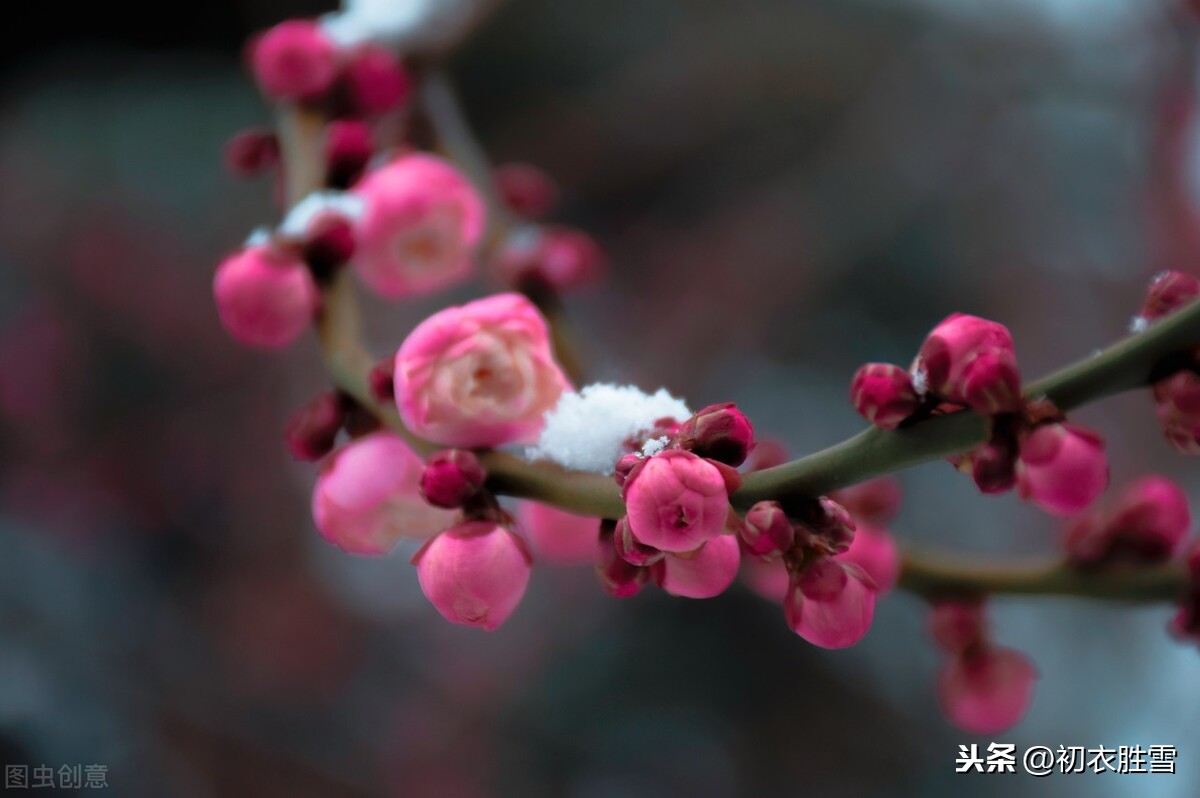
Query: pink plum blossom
<point x="767" y="530"/>
<point x="420" y="225"/>
<point x="971" y="360"/>
<point x="366" y="497"/>
<point x="474" y="573"/>
<point x="676" y="501"/>
<point x="451" y="478"/>
<point x="1062" y="468"/>
<point x="376" y="80"/>
<point x="1167" y="293"/>
<point x="706" y="572"/>
<point x="525" y="189"/>
<point x="1147" y="523"/>
<point x="482" y="374"/>
<point x="830" y="603"/>
<point x="986" y="689"/>
<point x="1177" y="404"/>
<point x="720" y="432"/>
<point x="265" y="296"/>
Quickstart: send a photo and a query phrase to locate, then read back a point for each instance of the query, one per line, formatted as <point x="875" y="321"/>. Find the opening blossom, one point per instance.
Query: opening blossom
<point x="830" y="603"/>
<point x="421" y="223"/>
<point x="1147" y="523"/>
<point x="367" y="496"/>
<point x="482" y="374"/>
<point x="971" y="361"/>
<point x="676" y="501"/>
<point x="1062" y="468"/>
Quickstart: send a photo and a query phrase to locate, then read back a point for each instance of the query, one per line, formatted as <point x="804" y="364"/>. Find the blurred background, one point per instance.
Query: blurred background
<point x="786" y="188"/>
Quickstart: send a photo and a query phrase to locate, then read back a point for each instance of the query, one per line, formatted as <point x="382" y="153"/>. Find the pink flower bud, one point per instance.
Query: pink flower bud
<point x="525" y="189"/>
<point x="874" y="550"/>
<point x="706" y="572"/>
<point x="366" y="497"/>
<point x="1062" y="468"/>
<point x="382" y="380"/>
<point x="828" y="526"/>
<point x="626" y="465"/>
<point x="883" y="394"/>
<point x="265" y="296"/>
<point x="451" y="477"/>
<point x="312" y="430"/>
<point x="562" y="258"/>
<point x="957" y="625"/>
<point x="1146" y="524"/>
<point x="1178" y="407"/>
<point x="767" y="530"/>
<point x="830" y="604"/>
<point x="985" y="689"/>
<point x="250" y="152"/>
<point x="875" y="501"/>
<point x="721" y="432"/>
<point x="1167" y="293"/>
<point x="993" y="466"/>
<point x="629" y="550"/>
<point x="559" y="536"/>
<point x="349" y="146"/>
<point x="294" y="61"/>
<point x="377" y="81"/>
<point x="482" y="374"/>
<point x="676" y="501"/>
<point x="419" y="228"/>
<point x="971" y="360"/>
<point x="618" y="576"/>
<point x="474" y="573"/>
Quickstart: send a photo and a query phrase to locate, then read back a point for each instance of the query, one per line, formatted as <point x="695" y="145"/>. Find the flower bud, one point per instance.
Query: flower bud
<point x="875" y="501"/>
<point x="377" y="81"/>
<point x="294" y="61"/>
<point x="312" y="430"/>
<point x="829" y="526"/>
<point x="1062" y="468"/>
<point x="767" y="530"/>
<point x="874" y="550"/>
<point x="382" y="380"/>
<point x="1168" y="292"/>
<point x="1177" y="401"/>
<point x="676" y="501"/>
<point x="366" y="497"/>
<point x="830" y="604"/>
<point x="971" y="361"/>
<point x="562" y="258"/>
<point x="986" y="689"/>
<point x="883" y="394"/>
<point x="348" y="149"/>
<point x="957" y="625"/>
<point x="265" y="296"/>
<point x="720" y="432"/>
<point x="451" y="477"/>
<point x="1145" y="525"/>
<point x="558" y="536"/>
<point x="993" y="466"/>
<point x="706" y="572"/>
<point x="618" y="576"/>
<point x="626" y="465"/>
<point x="629" y="550"/>
<point x="250" y="152"/>
<point x="328" y="244"/>
<point x="474" y="573"/>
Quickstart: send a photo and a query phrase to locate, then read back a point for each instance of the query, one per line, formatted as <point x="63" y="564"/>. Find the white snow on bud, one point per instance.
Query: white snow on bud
<point x="654" y="446"/>
<point x="411" y="26"/>
<point x="920" y="380"/>
<point x="1138" y="324"/>
<point x="302" y="214"/>
<point x="586" y="431"/>
<point x="258" y="236"/>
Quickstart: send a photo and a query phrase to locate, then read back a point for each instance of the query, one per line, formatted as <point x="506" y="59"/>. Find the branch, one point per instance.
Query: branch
<point x="1131" y="363"/>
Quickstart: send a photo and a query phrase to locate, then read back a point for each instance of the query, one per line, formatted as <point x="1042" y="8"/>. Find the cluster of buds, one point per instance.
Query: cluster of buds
<point x="983" y="688"/>
<point x="969" y="363"/>
<point x="679" y="525"/>
<point x="1145" y="524"/>
<point x="1176" y="396"/>
<point x="828" y="563"/>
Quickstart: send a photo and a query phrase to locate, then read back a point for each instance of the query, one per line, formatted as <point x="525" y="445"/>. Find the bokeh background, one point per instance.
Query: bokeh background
<point x="786" y="188"/>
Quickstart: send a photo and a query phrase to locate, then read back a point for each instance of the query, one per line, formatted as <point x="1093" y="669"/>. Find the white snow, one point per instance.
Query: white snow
<point x="412" y="26"/>
<point x="258" y="236"/>
<point x="296" y="223"/>
<point x="920" y="380"/>
<point x="1138" y="324"/>
<point x="586" y="430"/>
